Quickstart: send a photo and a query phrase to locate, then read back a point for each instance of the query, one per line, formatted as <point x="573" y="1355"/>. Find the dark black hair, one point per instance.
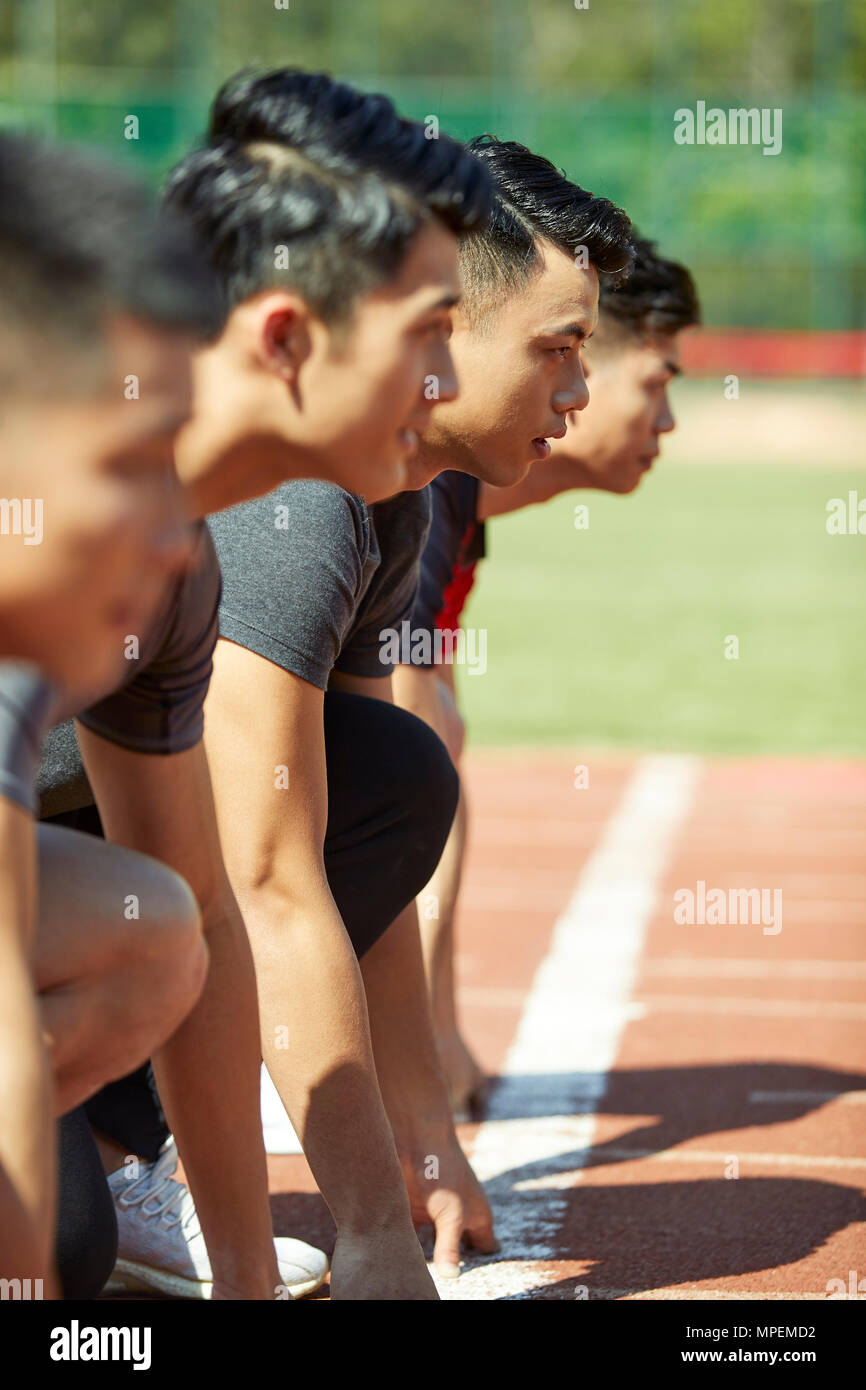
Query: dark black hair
<point x="535" y="201"/>
<point x="659" y="296"/>
<point x="79" y="239"/>
<point x="348" y="133"/>
<point x="305" y="181"/>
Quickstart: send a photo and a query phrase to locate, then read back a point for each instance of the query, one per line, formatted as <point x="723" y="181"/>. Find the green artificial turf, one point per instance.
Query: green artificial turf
<point x="614" y="636"/>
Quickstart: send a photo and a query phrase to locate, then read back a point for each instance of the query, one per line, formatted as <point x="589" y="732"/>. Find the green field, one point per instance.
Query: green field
<point x="615" y="636"/>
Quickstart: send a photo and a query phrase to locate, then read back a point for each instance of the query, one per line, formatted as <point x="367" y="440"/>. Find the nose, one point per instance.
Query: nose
<point x="575" y="396"/>
<point x="444" y="372"/>
<point x="664" y="421"/>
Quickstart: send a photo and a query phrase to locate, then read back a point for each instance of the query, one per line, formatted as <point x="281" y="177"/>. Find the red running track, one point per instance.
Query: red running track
<point x="683" y="1109"/>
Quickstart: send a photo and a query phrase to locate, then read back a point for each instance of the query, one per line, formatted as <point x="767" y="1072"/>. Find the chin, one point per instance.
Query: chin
<point x="377" y="483"/>
<point x="621" y="481"/>
<point x="418" y="474"/>
<point x="505" y="474"/>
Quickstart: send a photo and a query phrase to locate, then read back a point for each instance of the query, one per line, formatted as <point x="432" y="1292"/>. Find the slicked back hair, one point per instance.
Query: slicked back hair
<point x="535" y="202"/>
<point x="305" y="182"/>
<point x="79" y="241"/>
<point x="659" y="297"/>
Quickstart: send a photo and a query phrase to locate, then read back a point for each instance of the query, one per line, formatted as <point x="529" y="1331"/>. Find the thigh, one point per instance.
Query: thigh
<point x="96" y="901"/>
<point x="392" y="793"/>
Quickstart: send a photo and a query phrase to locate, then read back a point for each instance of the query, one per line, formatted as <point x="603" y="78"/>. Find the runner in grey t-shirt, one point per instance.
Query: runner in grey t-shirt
<point x="311" y="575"/>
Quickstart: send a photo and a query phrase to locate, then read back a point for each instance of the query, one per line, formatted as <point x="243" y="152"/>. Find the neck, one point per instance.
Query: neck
<point x="432" y="458"/>
<point x="219" y="468"/>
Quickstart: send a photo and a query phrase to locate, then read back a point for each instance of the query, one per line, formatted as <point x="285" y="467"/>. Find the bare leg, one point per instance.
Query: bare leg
<point x="428" y="692"/>
<point x="436" y="910"/>
<point x="119" y="958"/>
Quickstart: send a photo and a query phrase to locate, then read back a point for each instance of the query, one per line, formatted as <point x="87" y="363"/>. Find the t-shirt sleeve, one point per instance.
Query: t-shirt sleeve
<point x="27" y="704"/>
<point x="294" y="566"/>
<point x="401" y="525"/>
<point x="161" y="710"/>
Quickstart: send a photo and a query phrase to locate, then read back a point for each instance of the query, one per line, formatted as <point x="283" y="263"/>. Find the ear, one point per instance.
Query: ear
<point x="283" y="335"/>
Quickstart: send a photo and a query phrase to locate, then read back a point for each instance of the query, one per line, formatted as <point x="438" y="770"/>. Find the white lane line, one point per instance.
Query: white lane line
<point x="556" y="1070"/>
<point x="644" y="1005"/>
<point x="619" y="1154"/>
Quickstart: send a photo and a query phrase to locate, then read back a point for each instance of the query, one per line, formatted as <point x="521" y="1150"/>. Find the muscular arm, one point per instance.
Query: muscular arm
<point x="208" y="1071"/>
<point x="27" y="1149"/>
<point x="413" y="1086"/>
<point x="265" y="740"/>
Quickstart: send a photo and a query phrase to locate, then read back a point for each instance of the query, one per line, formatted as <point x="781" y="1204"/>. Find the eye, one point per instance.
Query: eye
<point x="564" y="351"/>
<point x="438" y="328"/>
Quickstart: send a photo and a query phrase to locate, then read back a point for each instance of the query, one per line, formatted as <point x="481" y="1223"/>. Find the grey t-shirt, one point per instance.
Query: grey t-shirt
<point x="159" y="707"/>
<point x="27" y="703"/>
<point x="311" y="576"/>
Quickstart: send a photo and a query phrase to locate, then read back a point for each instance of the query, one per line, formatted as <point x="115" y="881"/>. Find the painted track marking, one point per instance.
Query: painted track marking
<point x="556" y="1070"/>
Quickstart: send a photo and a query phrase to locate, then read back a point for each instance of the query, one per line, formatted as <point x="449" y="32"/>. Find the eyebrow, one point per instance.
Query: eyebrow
<point x="448" y="301"/>
<point x="571" y="330"/>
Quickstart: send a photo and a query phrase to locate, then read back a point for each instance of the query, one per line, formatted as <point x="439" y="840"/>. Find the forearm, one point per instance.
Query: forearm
<point x="208" y="1079"/>
<point x="27" y="1143"/>
<point x="316" y="1043"/>
<point x="407" y="1062"/>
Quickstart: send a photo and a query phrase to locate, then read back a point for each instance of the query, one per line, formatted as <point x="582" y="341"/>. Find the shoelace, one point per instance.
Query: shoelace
<point x="173" y="1205"/>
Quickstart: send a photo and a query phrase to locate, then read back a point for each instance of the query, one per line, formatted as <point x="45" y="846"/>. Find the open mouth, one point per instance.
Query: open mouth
<point x="541" y="442"/>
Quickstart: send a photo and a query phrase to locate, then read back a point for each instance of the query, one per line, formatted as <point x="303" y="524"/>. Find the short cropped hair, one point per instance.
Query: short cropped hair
<point x="535" y="202"/>
<point x="659" y="297"/>
<point x="308" y="183"/>
<point x="80" y="240"/>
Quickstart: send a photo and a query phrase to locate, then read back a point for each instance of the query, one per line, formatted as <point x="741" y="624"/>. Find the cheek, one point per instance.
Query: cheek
<point x="644" y="418"/>
<point x="399" y="376"/>
<point x="523" y="396"/>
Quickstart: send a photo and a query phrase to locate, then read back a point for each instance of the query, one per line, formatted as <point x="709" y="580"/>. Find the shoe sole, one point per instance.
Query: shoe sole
<point x="129" y="1277"/>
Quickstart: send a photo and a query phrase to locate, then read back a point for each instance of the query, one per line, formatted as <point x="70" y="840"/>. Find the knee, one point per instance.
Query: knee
<point x="434" y="791"/>
<point x="171" y="957"/>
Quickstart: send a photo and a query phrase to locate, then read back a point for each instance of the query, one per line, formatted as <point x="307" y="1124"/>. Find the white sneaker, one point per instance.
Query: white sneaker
<point x="161" y="1247"/>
